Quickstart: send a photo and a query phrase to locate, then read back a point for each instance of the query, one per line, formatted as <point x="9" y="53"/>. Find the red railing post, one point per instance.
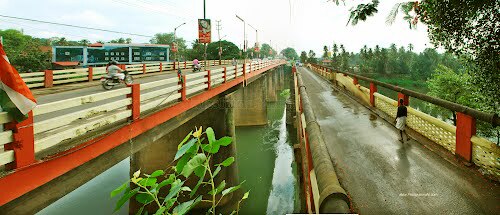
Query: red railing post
<point x="143" y="68"/>
<point x="355" y="81"/>
<point x="225" y="75"/>
<point x="406" y="99"/>
<point x="135" y="107"/>
<point x="466" y="128"/>
<point x="209" y="80"/>
<point x="91" y="74"/>
<point x="161" y="67"/>
<point x="373" y="89"/>
<point x="49" y="78"/>
<point x="185" y="64"/>
<point x="250" y="67"/>
<point x="175" y="66"/>
<point x="23" y="144"/>
<point x="183" y="89"/>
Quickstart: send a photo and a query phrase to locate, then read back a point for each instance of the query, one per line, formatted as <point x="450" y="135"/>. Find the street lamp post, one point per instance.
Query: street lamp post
<point x="220" y="48"/>
<point x="256" y="38"/>
<point x="175" y="30"/>
<point x="244" y="36"/>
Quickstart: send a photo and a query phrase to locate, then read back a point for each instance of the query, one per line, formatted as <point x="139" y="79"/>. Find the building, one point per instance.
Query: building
<point x="99" y="54"/>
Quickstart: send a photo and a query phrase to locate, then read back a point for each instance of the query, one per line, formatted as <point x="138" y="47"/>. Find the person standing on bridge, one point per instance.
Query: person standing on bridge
<point x="401" y="119"/>
<point x="115" y="71"/>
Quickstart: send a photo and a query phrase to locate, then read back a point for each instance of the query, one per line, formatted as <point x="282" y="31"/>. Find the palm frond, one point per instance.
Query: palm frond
<point x="392" y="15"/>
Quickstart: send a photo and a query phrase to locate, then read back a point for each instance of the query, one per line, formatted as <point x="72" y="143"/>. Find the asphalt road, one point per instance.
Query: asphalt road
<point x="385" y="176"/>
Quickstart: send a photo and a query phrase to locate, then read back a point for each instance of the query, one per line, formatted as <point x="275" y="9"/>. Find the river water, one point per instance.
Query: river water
<point x="265" y="161"/>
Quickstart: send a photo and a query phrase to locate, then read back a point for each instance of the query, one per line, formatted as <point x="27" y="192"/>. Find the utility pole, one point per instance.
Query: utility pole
<point x="175" y="30"/>
<point x="205" y="17"/>
<point x="244" y="37"/>
<point x="219" y="27"/>
<point x="256" y="38"/>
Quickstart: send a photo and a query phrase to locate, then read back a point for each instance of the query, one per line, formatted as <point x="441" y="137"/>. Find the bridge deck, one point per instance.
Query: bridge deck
<point x="384" y="176"/>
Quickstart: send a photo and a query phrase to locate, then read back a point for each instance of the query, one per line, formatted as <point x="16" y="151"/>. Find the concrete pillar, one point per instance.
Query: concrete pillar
<point x="271" y="95"/>
<point x="250" y="106"/>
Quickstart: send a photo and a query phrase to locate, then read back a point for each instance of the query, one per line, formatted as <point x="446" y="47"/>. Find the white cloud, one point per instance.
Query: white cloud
<point x="89" y="18"/>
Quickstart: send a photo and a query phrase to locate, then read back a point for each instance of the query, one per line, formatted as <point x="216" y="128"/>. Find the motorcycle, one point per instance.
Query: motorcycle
<point x="109" y="82"/>
<point x="196" y="68"/>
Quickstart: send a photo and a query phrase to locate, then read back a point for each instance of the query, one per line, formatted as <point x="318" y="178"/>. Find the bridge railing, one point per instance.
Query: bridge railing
<point x="57" y="124"/>
<point x="460" y="140"/>
<point x="49" y="78"/>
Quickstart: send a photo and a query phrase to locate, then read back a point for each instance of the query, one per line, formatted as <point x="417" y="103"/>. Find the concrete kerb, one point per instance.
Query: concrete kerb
<point x="333" y="198"/>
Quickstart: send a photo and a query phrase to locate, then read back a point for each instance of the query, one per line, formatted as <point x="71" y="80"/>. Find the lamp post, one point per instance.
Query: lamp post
<point x="175" y="30"/>
<point x="256" y="38"/>
<point x="244" y="37"/>
<point x="220" y="48"/>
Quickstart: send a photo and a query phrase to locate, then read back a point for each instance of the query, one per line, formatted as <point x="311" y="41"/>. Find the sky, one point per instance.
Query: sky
<point x="301" y="24"/>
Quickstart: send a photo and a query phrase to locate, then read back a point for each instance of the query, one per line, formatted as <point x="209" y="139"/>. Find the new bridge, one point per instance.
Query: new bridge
<point x="348" y="151"/>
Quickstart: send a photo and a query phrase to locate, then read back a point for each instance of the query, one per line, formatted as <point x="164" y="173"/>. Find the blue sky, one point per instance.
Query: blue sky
<point x="310" y="25"/>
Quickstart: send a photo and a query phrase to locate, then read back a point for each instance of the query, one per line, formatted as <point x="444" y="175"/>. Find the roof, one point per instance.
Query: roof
<point x="95" y="45"/>
<point x="136" y="44"/>
<point x="327" y="61"/>
<point x="66" y="63"/>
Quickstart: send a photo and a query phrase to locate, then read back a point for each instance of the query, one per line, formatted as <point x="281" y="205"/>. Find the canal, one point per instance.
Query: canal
<point x="265" y="161"/>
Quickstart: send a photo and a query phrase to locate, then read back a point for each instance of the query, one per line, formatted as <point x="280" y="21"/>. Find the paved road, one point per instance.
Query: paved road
<point x="384" y="176"/>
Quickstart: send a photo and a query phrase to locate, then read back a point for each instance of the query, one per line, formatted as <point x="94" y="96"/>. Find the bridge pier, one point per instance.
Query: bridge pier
<point x="271" y="95"/>
<point x="250" y="106"/>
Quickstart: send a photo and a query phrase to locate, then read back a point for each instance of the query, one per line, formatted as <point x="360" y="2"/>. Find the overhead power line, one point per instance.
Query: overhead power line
<point x="75" y="26"/>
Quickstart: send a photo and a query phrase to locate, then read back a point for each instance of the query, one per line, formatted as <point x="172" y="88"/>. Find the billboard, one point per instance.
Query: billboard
<point x="204" y="31"/>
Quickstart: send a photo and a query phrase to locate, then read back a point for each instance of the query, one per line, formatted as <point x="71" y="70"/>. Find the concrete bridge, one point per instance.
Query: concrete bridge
<point x="71" y="132"/>
<point x="349" y="156"/>
<point x="354" y="155"/>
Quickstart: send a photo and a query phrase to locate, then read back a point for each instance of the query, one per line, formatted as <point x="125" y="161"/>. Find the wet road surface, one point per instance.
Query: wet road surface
<point x="385" y="176"/>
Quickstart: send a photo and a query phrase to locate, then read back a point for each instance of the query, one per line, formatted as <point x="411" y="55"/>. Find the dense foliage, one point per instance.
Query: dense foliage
<point x="467" y="28"/>
<point x="25" y="52"/>
<point x="290" y="53"/>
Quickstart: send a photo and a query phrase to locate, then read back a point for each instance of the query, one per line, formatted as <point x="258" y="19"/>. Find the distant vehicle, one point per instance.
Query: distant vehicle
<point x="109" y="82"/>
<point x="298" y="63"/>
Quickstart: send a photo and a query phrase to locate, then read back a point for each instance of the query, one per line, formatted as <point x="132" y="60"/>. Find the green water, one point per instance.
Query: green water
<point x="266" y="161"/>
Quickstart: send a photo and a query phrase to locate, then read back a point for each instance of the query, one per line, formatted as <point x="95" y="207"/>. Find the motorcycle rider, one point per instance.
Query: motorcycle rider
<point x="115" y="71"/>
<point x="196" y="64"/>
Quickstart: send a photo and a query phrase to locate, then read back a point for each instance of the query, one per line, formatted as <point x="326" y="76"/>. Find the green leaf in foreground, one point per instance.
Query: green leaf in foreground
<point x="144" y="198"/>
<point x="184" y="149"/>
<point x="192" y="164"/>
<point x="210" y="135"/>
<point x="119" y="189"/>
<point x="245" y="196"/>
<point x="125" y="198"/>
<point x="185" y="139"/>
<point x="157" y="173"/>
<point x="185" y="207"/>
<point x="231" y="189"/>
<point x="218" y="189"/>
<point x="227" y="162"/>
